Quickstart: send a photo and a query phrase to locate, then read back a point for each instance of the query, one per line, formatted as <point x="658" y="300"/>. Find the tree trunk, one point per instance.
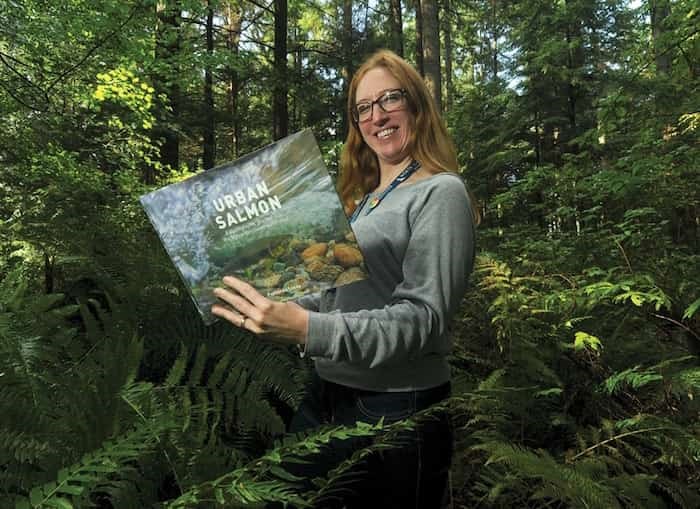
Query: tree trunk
<point x="234" y="20"/>
<point x="447" y="31"/>
<point x="49" y="266"/>
<point x="396" y="27"/>
<point x="347" y="67"/>
<point x="431" y="50"/>
<point x="419" y="37"/>
<point x="575" y="61"/>
<point x="167" y="49"/>
<point x="659" y="10"/>
<point x="297" y="110"/>
<point x="494" y="42"/>
<point x="280" y="120"/>
<point x="209" y="135"/>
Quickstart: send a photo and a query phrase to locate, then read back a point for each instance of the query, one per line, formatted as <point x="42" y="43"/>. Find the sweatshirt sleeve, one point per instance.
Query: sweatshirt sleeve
<point x="310" y="301"/>
<point x="436" y="265"/>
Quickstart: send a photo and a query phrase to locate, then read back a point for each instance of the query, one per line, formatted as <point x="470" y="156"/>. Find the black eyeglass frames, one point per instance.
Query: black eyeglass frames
<point x="389" y="101"/>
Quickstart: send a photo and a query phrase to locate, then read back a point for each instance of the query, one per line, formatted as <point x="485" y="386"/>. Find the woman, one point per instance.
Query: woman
<point x="380" y="345"/>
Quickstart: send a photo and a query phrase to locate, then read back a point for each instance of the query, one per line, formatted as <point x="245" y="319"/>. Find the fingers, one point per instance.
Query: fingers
<point x="229" y="314"/>
<point x="247" y="306"/>
<point x="243" y="306"/>
<point x="247" y="291"/>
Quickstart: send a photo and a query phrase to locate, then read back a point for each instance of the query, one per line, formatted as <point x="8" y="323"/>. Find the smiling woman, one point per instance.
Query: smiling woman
<point x="380" y="345"/>
<point x="386" y="131"/>
<point x="389" y="129"/>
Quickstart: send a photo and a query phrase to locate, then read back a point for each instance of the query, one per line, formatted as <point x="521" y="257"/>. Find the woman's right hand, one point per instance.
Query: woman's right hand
<point x="247" y="308"/>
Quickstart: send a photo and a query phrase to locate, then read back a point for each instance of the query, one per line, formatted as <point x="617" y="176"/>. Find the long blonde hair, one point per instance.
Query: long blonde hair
<point x="433" y="148"/>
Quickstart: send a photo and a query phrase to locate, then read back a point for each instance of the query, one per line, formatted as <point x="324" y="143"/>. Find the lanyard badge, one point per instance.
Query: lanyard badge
<point x="407" y="172"/>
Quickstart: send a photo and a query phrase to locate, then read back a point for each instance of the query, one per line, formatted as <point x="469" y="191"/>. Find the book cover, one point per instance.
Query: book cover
<point x="272" y="218"/>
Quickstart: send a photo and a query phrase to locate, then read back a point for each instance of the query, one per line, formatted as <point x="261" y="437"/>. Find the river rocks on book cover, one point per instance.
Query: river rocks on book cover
<point x="320" y="265"/>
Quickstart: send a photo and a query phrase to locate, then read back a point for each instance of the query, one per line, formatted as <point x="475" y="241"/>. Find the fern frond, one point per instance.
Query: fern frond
<point x="578" y="485"/>
<point x="683" y="495"/>
<point x="264" y="479"/>
<point x="74" y="484"/>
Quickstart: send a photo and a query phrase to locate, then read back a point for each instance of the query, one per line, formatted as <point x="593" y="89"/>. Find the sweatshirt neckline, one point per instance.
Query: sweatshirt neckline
<point x="409" y="185"/>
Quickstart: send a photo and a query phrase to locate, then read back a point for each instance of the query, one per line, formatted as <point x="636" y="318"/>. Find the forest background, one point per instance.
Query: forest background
<point x="576" y="373"/>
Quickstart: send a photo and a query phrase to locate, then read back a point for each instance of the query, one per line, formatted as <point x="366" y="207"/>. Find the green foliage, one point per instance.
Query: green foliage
<point x="264" y="479"/>
<point x="556" y="423"/>
<point x="74" y="389"/>
<point x="634" y="377"/>
<point x="97" y="469"/>
<point x="691" y="310"/>
<point x="575" y="361"/>
<point x="206" y="415"/>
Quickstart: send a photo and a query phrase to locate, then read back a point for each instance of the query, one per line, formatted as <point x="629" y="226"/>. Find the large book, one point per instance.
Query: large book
<point x="272" y="218"/>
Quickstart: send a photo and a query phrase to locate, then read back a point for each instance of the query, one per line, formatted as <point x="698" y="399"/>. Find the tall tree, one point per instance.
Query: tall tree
<point x="396" y="26"/>
<point x="166" y="80"/>
<point x="659" y="11"/>
<point x="297" y="71"/>
<point x="233" y="24"/>
<point x="431" y="50"/>
<point x="209" y="121"/>
<point x="575" y="63"/>
<point x="447" y="33"/>
<point x="419" y="37"/>
<point x="280" y="118"/>
<point x="494" y="43"/>
<point x="347" y="66"/>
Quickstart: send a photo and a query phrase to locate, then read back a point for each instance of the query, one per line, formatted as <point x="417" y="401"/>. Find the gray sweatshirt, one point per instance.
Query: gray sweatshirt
<point x="390" y="331"/>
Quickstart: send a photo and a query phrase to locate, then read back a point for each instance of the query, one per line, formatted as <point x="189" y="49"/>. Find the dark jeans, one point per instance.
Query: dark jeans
<point x="414" y="475"/>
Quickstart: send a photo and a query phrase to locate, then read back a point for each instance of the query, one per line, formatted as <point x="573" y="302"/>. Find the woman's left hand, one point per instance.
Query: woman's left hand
<point x="286" y="321"/>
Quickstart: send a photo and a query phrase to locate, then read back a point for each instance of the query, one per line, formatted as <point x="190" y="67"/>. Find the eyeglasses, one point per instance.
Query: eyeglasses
<point x="391" y="100"/>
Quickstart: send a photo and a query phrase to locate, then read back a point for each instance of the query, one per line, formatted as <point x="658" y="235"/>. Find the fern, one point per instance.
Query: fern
<point x="586" y="483"/>
<point x="217" y="404"/>
<point x="75" y="386"/>
<point x="606" y="435"/>
<point x="633" y="377"/>
<point x="263" y="479"/>
<point x="340" y="481"/>
<point x="74" y="484"/>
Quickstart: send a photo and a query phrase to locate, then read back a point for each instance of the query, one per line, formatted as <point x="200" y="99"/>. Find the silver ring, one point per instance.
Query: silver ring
<point x="243" y="319"/>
